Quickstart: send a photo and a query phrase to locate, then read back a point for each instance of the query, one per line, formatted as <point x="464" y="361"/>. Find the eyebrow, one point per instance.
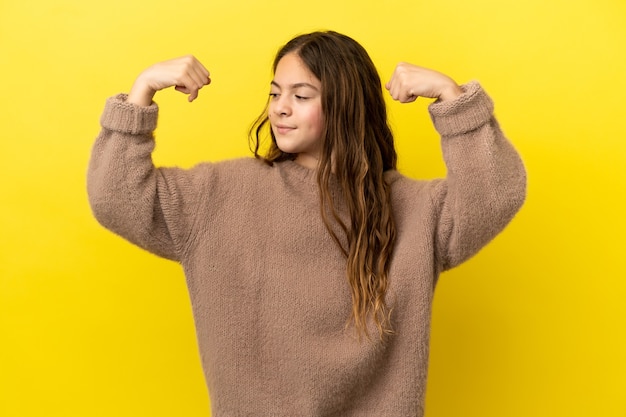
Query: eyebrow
<point x="296" y="85"/>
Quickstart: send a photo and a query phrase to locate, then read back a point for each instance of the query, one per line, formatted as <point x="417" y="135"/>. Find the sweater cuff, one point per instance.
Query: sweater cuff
<point x="121" y="116"/>
<point x="468" y="112"/>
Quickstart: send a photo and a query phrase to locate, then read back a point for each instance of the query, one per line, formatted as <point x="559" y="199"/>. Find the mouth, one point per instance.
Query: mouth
<point x="282" y="129"/>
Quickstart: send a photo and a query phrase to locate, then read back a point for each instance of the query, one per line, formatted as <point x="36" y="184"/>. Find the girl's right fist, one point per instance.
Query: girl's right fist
<point x="186" y="74"/>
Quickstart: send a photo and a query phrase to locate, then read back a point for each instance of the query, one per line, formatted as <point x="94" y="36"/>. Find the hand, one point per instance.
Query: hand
<point x="186" y="74"/>
<point x="408" y="82"/>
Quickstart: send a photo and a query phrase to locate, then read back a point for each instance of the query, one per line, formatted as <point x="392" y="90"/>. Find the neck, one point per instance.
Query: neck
<point x="307" y="161"/>
<point x="310" y="162"/>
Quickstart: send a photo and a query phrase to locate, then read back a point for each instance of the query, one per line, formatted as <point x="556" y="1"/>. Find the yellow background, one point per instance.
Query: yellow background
<point x="532" y="326"/>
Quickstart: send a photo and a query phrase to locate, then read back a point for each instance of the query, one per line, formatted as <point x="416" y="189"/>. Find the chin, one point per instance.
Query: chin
<point x="287" y="148"/>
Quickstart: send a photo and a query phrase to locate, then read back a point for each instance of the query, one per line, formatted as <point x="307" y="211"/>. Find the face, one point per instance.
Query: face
<point x="295" y="110"/>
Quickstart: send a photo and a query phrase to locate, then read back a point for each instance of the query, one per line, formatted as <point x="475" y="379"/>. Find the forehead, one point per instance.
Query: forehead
<point x="291" y="70"/>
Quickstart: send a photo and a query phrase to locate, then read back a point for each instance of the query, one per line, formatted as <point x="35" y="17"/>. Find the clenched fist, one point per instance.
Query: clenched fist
<point x="408" y="82"/>
<point x="186" y="74"/>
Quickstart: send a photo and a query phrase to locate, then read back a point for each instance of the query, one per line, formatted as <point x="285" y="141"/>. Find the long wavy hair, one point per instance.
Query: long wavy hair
<point x="357" y="148"/>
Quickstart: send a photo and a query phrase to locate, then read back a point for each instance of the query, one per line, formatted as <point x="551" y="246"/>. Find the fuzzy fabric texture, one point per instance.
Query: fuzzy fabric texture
<point x="266" y="281"/>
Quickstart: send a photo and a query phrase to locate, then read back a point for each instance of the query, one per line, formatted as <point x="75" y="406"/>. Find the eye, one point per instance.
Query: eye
<point x="302" y="97"/>
<point x="274" y="95"/>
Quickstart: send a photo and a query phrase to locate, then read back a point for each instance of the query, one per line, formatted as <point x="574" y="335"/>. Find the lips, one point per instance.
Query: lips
<point x="283" y="129"/>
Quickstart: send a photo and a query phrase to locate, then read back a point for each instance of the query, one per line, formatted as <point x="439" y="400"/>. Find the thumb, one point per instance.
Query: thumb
<point x="192" y="92"/>
<point x="193" y="95"/>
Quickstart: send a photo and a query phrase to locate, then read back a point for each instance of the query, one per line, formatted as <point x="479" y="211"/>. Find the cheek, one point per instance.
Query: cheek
<point x="317" y="120"/>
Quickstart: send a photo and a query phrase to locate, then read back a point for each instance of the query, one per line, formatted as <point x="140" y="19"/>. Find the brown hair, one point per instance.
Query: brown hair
<point x="357" y="149"/>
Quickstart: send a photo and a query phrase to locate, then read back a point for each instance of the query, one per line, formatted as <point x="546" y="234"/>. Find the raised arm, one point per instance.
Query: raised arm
<point x="486" y="181"/>
<point x="148" y="206"/>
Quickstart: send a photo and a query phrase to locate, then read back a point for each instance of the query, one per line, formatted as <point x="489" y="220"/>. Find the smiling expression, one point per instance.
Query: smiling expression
<point x="295" y="110"/>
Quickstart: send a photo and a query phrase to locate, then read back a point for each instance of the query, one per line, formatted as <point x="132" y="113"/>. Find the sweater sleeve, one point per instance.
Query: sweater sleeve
<point x="485" y="184"/>
<point x="151" y="207"/>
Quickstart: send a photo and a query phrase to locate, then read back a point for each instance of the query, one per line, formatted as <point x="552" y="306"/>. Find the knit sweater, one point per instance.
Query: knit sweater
<point x="267" y="282"/>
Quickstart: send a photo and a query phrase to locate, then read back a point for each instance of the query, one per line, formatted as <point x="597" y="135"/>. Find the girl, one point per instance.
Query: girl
<point x="311" y="268"/>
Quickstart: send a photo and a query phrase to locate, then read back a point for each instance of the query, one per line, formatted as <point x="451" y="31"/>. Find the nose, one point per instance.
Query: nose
<point x="281" y="106"/>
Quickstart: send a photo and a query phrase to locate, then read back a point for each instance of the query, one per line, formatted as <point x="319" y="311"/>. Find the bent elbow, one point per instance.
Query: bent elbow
<point x="106" y="213"/>
<point x="515" y="193"/>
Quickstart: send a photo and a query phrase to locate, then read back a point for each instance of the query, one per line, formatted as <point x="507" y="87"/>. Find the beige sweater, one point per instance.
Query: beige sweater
<point x="266" y="281"/>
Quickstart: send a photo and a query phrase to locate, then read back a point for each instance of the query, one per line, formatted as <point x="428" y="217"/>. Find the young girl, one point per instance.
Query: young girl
<point x="311" y="268"/>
